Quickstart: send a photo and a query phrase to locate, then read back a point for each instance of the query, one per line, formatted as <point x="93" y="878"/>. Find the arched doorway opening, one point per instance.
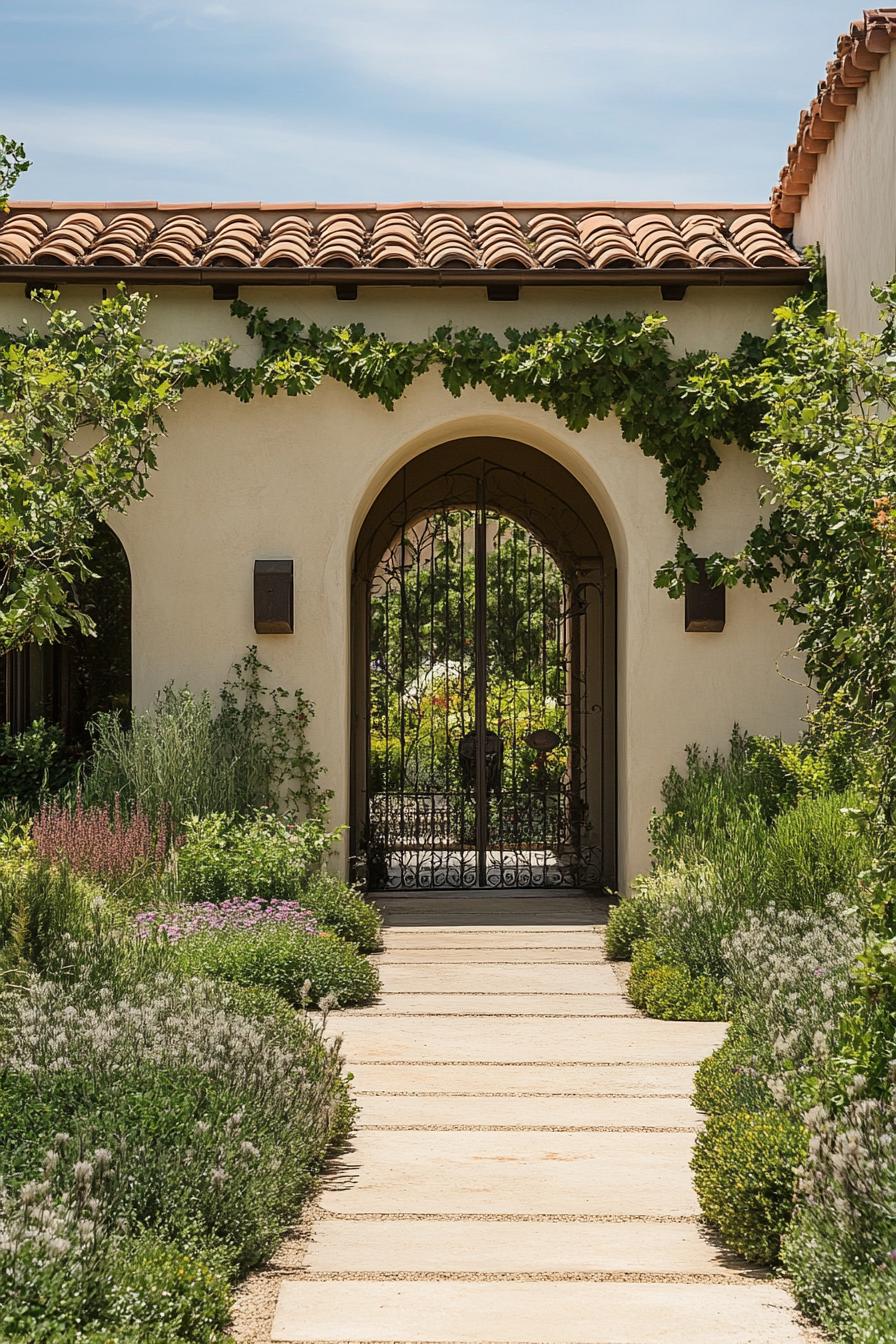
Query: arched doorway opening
<point x="484" y="751"/>
<point x="69" y="682"/>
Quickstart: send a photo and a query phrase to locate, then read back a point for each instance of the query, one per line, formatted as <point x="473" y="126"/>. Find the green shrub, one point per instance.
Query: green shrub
<point x="785" y="772"/>
<point x="812" y="851"/>
<point x="39" y="904"/>
<point x="263" y="857"/>
<point x="841" y="1242"/>
<point x="670" y="991"/>
<point x="33" y="763"/>
<point x="269" y="858"/>
<point x="695" y="919"/>
<point x="283" y="959"/>
<point x="744" y="1168"/>
<point x="702" y="805"/>
<point x="848" y="1286"/>
<point x="630" y="920"/>
<point x="760" y="777"/>
<point x="184" y="1293"/>
<point x="344" y="910"/>
<point x="825" y="1266"/>
<point x="869" y="1309"/>
<point x="728" y="1080"/>
<point x="69" y="927"/>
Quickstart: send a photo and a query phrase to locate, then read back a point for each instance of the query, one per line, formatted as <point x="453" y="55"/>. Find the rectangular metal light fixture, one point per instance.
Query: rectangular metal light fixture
<point x="273" y="591"/>
<point x="704" y="605"/>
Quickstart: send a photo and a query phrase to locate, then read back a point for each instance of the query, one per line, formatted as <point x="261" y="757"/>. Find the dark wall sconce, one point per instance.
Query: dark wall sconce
<point x="273" y="597"/>
<point x="704" y="605"/>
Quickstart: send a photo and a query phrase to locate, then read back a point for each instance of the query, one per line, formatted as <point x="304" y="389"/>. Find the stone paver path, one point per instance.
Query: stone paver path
<point x="519" y="1174"/>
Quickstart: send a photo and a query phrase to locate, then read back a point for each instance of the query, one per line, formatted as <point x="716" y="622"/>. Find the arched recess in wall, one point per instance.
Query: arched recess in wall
<point x="484" y="676"/>
<point x="69" y="682"/>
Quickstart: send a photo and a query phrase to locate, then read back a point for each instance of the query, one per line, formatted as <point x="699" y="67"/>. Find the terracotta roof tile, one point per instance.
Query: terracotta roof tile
<point x="550" y="237"/>
<point x="859" y="53"/>
<point x="659" y="242"/>
<point x="607" y="241"/>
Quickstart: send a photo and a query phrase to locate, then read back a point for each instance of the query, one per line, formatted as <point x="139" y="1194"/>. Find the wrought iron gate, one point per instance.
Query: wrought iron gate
<point x="477" y="708"/>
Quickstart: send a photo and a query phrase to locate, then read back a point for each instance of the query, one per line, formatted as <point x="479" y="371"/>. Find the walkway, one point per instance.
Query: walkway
<point x="519" y="1174"/>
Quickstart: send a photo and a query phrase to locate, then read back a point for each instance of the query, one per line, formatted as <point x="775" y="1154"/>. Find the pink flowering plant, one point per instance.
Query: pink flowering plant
<point x="236" y="914"/>
<point x="97" y="841"/>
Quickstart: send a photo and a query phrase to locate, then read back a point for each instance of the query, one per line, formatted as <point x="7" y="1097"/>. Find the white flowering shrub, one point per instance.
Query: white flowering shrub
<point x="841" y="1247"/>
<point x="790" y="972"/>
<point x="790" y="976"/>
<point x="176" y="1106"/>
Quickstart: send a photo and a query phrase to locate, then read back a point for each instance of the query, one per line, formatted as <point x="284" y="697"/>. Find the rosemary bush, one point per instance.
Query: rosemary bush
<point x="186" y="757"/>
<point x="41" y="904"/>
<point x="814" y="849"/>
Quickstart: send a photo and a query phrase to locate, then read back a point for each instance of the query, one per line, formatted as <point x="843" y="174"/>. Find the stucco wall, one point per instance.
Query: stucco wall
<point x="295" y="477"/>
<point x="851" y="206"/>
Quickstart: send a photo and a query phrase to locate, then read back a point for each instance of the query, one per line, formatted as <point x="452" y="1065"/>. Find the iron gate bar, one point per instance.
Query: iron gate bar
<point x="480" y="686"/>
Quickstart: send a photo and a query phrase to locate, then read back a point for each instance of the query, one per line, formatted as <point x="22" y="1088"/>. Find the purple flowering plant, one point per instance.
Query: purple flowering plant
<point x="228" y="916"/>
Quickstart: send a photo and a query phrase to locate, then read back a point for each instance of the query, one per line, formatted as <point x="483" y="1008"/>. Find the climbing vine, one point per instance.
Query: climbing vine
<point x="581" y="373"/>
<point x="56" y="383"/>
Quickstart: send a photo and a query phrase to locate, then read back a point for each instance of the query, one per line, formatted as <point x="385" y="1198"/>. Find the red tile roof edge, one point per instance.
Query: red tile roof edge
<point x="365" y="239"/>
<point x="859" y="53"/>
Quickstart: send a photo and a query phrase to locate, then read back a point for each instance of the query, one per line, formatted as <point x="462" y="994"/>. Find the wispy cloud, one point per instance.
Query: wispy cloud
<point x="526" y="49"/>
<point x="398" y="99"/>
<point x="238" y="155"/>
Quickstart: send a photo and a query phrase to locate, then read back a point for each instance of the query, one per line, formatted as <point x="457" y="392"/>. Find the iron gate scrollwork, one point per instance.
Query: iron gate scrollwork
<point x="480" y="705"/>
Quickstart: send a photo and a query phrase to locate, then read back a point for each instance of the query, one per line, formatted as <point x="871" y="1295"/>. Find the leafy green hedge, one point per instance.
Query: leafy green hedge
<point x="672" y="991"/>
<point x="344" y="910"/>
<point x="744" y="1167"/>
<point x="629" y="921"/>
<point x="298" y="965"/>
<point x="728" y="1080"/>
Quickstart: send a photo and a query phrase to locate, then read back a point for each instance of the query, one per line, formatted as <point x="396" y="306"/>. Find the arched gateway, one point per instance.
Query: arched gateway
<point x="484" y="750"/>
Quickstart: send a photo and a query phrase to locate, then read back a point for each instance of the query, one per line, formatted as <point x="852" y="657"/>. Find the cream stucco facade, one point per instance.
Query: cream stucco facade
<point x="850" y="209"/>
<point x="294" y="477"/>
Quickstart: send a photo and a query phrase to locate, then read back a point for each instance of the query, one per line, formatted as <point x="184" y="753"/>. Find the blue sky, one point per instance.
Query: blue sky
<point x="385" y="100"/>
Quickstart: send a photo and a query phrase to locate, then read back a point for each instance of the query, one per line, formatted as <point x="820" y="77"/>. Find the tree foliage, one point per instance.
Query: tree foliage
<point x="12" y="164"/>
<point x="826" y="438"/>
<point x="82" y="406"/>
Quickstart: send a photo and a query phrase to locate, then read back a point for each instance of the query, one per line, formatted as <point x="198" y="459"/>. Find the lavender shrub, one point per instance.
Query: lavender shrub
<point x="791" y="974"/>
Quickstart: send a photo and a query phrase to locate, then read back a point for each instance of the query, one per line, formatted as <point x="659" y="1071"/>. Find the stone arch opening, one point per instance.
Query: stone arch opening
<point x="484" y="676"/>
